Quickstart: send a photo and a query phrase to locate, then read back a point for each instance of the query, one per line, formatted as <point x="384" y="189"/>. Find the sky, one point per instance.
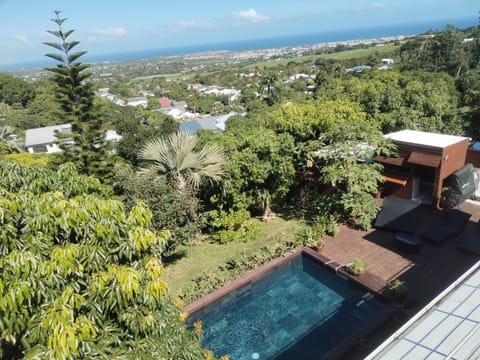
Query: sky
<point x="113" y="26"/>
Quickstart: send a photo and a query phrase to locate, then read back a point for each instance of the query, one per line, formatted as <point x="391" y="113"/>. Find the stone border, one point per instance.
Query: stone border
<point x="241" y="281"/>
<point x="367" y="281"/>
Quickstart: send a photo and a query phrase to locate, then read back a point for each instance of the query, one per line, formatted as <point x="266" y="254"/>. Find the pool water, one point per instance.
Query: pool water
<point x="299" y="310"/>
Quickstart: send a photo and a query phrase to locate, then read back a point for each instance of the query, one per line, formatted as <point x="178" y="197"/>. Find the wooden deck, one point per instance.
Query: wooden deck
<point x="425" y="273"/>
<point x="383" y="264"/>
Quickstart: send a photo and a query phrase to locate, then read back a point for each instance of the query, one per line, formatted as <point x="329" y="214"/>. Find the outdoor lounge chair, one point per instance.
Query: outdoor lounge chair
<point x="471" y="241"/>
<point x="398" y="215"/>
<point x="453" y="224"/>
<point x="408" y="242"/>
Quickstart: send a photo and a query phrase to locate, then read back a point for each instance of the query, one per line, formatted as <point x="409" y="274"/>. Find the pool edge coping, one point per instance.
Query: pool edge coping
<point x="241" y="281"/>
<point x="330" y="265"/>
<point x="272" y="264"/>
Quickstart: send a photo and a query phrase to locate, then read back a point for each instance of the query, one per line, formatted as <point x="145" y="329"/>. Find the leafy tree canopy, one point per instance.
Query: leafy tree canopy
<point x="81" y="278"/>
<point x="345" y="165"/>
<point x="15" y="91"/>
<point x="260" y="161"/>
<point x="307" y="121"/>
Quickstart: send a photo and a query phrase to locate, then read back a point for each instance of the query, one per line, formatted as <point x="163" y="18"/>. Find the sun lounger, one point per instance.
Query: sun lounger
<point x="398" y="215"/>
<point x="471" y="241"/>
<point x="453" y="224"/>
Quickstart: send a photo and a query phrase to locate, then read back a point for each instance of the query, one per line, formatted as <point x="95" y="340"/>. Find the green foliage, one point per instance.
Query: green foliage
<point x="16" y="177"/>
<point x="85" y="146"/>
<point x="165" y="124"/>
<point x="204" y="104"/>
<point x="176" y="158"/>
<point x="232" y="225"/>
<point x="343" y="167"/>
<point x="356" y="267"/>
<point x="308" y="235"/>
<point x="312" y="233"/>
<point x="259" y="161"/>
<point x="398" y="288"/>
<point x="327" y="223"/>
<point x="171" y="209"/>
<point x="79" y="277"/>
<point x="234" y="267"/>
<point x="28" y="158"/>
<point x="15" y="91"/>
<point x="307" y="121"/>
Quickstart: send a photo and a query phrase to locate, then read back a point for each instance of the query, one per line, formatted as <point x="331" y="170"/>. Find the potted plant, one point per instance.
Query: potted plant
<point x="356" y="267"/>
<point x="398" y="288"/>
<point x="319" y="245"/>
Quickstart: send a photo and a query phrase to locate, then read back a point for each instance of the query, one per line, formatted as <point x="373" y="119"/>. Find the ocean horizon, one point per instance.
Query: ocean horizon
<point x="407" y="29"/>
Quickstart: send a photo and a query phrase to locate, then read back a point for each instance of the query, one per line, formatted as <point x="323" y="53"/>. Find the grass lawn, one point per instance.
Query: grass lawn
<point x="384" y="50"/>
<point x="174" y="76"/>
<point x="360" y="53"/>
<point x="208" y="256"/>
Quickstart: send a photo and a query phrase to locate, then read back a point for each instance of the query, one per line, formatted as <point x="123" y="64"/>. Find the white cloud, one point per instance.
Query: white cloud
<point x="376" y="6"/>
<point x="191" y="24"/>
<point x="22" y="39"/>
<point x="109" y="31"/>
<point x="249" y="16"/>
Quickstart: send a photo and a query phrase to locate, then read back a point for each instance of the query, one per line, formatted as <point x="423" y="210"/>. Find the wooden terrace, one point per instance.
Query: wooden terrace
<point x="425" y="273"/>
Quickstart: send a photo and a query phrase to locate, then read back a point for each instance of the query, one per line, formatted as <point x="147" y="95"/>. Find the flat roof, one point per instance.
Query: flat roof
<point x="425" y="138"/>
<point x="447" y="328"/>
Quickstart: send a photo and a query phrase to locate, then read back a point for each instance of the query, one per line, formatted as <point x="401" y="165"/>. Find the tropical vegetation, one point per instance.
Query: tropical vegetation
<point x="86" y="235"/>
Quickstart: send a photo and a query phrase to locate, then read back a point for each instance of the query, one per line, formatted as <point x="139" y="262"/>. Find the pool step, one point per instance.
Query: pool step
<point x="372" y="307"/>
<point x="365" y="311"/>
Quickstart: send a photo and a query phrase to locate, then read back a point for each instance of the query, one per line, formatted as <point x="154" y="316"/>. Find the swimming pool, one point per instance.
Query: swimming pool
<point x="299" y="310"/>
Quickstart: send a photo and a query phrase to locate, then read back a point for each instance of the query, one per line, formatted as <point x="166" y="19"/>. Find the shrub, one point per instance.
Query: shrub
<point x="356" y="267"/>
<point x="171" y="209"/>
<point x="232" y="225"/>
<point x="28" y="158"/>
<point x="207" y="282"/>
<point x="308" y="235"/>
<point x="398" y="288"/>
<point x="326" y="224"/>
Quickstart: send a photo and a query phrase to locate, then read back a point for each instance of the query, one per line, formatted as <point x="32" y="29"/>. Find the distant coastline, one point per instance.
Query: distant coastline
<point x="407" y="29"/>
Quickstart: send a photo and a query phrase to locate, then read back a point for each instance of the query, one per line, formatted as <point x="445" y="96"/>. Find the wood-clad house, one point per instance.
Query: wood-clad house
<point x="424" y="161"/>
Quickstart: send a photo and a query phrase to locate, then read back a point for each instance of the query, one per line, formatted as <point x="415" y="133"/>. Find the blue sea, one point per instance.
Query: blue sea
<point x="267" y="43"/>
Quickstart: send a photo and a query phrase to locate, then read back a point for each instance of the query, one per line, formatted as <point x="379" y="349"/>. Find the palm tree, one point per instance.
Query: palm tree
<point x="175" y="158"/>
<point x="6" y="138"/>
<point x="269" y="82"/>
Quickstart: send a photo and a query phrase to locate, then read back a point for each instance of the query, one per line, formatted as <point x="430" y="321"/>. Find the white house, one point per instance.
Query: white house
<point x="138" y="101"/>
<point x="386" y="64"/>
<point x="112" y="136"/>
<point x="43" y="140"/>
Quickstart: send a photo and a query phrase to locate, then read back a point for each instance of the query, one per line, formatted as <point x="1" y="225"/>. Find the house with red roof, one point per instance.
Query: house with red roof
<point x="164" y="102"/>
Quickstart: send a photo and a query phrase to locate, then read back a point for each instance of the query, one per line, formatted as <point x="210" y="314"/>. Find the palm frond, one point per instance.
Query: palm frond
<point x="176" y="157"/>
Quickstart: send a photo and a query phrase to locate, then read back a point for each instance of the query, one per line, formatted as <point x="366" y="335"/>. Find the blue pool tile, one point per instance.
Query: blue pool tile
<point x="286" y="311"/>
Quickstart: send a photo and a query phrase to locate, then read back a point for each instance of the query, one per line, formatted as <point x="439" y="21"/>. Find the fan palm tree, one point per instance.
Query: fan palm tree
<point x="176" y="158"/>
<point x="10" y="145"/>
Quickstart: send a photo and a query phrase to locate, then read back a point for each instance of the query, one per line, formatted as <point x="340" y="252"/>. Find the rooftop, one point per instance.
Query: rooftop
<point x="447" y="328"/>
<point x="425" y="138"/>
<point x="45" y="135"/>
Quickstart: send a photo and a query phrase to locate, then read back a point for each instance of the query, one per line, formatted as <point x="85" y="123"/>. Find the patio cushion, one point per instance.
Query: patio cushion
<point x="398" y="215"/>
<point x="453" y="224"/>
<point x="471" y="241"/>
<point x="408" y="242"/>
